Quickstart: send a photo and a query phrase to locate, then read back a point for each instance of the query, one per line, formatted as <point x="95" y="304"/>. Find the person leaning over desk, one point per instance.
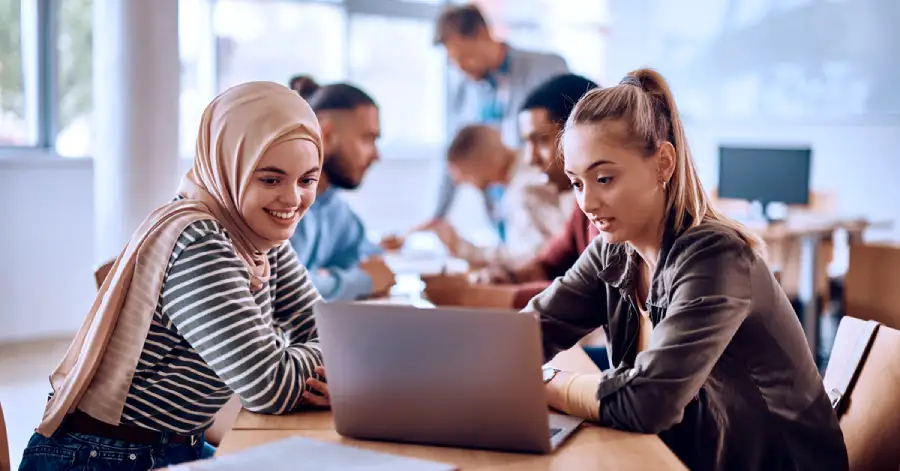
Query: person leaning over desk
<point x="493" y="80"/>
<point x="708" y="352"/>
<point x="207" y="300"/>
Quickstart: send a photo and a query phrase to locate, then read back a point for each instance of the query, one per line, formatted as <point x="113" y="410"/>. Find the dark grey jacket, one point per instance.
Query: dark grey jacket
<point x="728" y="381"/>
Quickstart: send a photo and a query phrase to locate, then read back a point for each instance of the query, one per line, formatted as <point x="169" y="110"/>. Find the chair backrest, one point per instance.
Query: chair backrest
<point x="4" y="444"/>
<point x="870" y="413"/>
<point x="102" y="271"/>
<point x="870" y="285"/>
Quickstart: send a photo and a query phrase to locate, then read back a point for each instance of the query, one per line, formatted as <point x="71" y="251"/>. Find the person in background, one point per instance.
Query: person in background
<point x="478" y="157"/>
<point x="493" y="81"/>
<point x="331" y="240"/>
<point x="563" y="228"/>
<point x="707" y="351"/>
<point x="304" y="85"/>
<point x="207" y="300"/>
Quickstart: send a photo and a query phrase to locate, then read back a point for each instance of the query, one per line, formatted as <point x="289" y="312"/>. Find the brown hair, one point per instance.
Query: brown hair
<point x="468" y="141"/>
<point x="644" y="102"/>
<point x="464" y="20"/>
<point x="304" y="85"/>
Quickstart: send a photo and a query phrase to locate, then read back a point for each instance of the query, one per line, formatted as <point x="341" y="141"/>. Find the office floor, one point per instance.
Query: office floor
<point x="24" y="384"/>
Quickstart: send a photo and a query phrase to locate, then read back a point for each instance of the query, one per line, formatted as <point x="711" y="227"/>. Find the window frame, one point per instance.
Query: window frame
<point x="43" y="93"/>
<point x="39" y="67"/>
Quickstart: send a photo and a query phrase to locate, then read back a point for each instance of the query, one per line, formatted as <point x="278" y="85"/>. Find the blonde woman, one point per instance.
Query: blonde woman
<point x="708" y="352"/>
<point x="207" y="300"/>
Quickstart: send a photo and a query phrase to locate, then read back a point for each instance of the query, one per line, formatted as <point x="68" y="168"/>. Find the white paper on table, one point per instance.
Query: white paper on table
<point x="424" y="266"/>
<point x="305" y="454"/>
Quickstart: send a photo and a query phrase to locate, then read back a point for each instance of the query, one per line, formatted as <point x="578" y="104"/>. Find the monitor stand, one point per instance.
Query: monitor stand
<point x="763" y="210"/>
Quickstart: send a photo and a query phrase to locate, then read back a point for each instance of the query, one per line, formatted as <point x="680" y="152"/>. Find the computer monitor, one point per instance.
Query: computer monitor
<point x="765" y="175"/>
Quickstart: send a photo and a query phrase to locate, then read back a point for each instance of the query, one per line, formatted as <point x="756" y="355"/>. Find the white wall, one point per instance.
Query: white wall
<point x="47" y="239"/>
<point x="858" y="163"/>
<point x="46" y="247"/>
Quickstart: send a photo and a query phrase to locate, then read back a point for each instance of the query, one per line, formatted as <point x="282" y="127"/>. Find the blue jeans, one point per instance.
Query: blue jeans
<point x="77" y="451"/>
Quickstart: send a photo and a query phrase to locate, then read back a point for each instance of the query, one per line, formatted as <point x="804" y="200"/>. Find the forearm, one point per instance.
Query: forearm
<point x="342" y="285"/>
<point x="575" y="394"/>
<point x="446" y="192"/>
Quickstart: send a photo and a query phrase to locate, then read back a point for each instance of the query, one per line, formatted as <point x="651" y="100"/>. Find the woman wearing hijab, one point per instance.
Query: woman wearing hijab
<point x="207" y="300"/>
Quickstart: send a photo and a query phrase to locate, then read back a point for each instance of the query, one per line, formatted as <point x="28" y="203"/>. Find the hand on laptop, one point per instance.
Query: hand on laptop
<point x="319" y="398"/>
<point x="382" y="276"/>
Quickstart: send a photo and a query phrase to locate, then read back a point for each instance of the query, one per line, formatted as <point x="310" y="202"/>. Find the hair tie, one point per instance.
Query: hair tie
<point x="631" y="80"/>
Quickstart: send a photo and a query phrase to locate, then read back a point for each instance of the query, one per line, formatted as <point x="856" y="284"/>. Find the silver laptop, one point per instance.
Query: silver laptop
<point x="468" y="378"/>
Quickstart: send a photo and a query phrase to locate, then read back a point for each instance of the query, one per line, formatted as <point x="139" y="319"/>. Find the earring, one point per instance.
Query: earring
<point x="664" y="185"/>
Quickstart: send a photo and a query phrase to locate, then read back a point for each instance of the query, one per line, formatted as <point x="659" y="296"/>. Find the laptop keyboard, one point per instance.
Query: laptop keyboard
<point x="555" y="431"/>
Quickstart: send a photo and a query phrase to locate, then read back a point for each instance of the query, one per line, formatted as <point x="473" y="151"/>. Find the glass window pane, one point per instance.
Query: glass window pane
<point x="196" y="44"/>
<point x="74" y="62"/>
<point x="17" y="112"/>
<point x="268" y="40"/>
<point x="395" y="61"/>
<point x="583" y="47"/>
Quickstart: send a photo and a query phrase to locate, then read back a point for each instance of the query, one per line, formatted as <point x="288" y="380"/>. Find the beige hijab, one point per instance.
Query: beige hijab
<point x="235" y="130"/>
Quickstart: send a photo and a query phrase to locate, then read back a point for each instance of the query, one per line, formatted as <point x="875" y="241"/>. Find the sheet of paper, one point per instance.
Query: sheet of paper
<point x="305" y="454"/>
<point x="399" y="264"/>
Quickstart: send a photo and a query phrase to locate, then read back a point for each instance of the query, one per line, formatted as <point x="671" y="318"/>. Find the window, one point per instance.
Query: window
<point x="583" y="47"/>
<point x="574" y="29"/>
<point x="276" y="40"/>
<point x="404" y="72"/>
<point x="75" y="86"/>
<point x="46" y="55"/>
<point x="17" y="77"/>
<point x="198" y="75"/>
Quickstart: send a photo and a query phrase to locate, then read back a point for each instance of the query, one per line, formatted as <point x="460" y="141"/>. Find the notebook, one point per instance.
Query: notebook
<point x="304" y="454"/>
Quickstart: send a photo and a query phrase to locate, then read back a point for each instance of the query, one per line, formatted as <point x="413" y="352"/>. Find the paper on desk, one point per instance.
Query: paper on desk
<point x="304" y="454"/>
<point x="399" y="263"/>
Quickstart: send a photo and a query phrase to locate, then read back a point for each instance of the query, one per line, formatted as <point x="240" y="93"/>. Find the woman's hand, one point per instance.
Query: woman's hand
<point x="317" y="400"/>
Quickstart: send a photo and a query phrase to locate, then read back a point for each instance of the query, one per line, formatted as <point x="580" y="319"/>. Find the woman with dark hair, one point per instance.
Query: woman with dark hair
<point x="304" y="85"/>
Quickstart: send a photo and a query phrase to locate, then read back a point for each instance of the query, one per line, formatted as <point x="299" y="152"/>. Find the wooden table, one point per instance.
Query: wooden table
<point x="796" y="245"/>
<point x="591" y="447"/>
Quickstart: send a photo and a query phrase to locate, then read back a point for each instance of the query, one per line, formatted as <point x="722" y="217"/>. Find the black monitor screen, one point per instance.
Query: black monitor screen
<point x="765" y="175"/>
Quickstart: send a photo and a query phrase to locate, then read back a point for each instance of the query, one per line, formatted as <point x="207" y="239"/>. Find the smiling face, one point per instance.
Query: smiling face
<point x="281" y="189"/>
<point x="616" y="186"/>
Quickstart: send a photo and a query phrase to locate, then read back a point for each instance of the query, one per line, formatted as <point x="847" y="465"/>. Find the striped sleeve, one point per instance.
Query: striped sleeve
<point x="295" y="296"/>
<point x="207" y="297"/>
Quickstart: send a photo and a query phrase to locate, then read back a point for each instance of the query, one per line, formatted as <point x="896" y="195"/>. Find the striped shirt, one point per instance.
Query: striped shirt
<point x="211" y="336"/>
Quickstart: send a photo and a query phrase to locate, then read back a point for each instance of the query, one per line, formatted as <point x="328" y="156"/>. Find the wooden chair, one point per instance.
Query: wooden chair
<point x="226" y="416"/>
<point x="4" y="444"/>
<point x="863" y="378"/>
<point x="101" y="272"/>
<point x="870" y="285"/>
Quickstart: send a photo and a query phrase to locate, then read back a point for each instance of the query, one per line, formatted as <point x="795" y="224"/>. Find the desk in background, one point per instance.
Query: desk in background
<point x="801" y="248"/>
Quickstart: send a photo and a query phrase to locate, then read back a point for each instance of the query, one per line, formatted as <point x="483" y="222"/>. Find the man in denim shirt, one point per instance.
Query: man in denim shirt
<point x="330" y="239"/>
